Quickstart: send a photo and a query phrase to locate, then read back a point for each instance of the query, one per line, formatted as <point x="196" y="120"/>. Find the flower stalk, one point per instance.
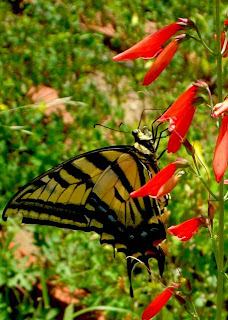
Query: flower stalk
<point x="221" y="192"/>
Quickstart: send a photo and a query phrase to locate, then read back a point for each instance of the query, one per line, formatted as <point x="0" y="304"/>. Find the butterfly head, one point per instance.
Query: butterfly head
<point x="144" y="141"/>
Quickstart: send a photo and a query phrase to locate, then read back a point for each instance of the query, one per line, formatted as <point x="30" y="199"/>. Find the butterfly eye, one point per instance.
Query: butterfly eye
<point x="135" y="132"/>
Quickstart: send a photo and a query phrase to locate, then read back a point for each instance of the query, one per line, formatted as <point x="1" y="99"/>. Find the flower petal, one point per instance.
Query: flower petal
<point x="181" y="128"/>
<point x="161" y="62"/>
<point x="187" y="229"/>
<point x="153" y="185"/>
<point x="221" y="151"/>
<point x="223" y="38"/>
<point x="156" y="305"/>
<point x="220" y="108"/>
<point x="180" y="104"/>
<point x="168" y="186"/>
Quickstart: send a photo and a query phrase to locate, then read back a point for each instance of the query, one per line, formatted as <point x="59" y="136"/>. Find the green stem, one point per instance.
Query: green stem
<point x="221" y="196"/>
<point x="202" y="180"/>
<point x="103" y="308"/>
<point x="226" y="266"/>
<point x="195" y="313"/>
<point x="212" y="236"/>
<point x="44" y="288"/>
<point x="202" y="41"/>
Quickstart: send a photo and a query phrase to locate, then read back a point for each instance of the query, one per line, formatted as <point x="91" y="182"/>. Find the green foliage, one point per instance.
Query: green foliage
<point x="54" y="43"/>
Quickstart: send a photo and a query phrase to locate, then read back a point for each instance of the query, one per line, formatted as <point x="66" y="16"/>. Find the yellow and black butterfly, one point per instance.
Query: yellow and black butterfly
<point x="91" y="192"/>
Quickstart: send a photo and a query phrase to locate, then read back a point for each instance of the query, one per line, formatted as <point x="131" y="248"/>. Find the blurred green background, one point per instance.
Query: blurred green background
<point x="58" y="49"/>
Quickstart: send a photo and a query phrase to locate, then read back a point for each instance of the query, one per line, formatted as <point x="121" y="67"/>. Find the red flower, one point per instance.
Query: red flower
<point x="151" y="45"/>
<point x="162" y="183"/>
<point x="187" y="229"/>
<point x="180" y="116"/>
<point x="220" y="108"/>
<point x="161" y="61"/>
<point x="221" y="151"/>
<point x="179" y="105"/>
<point x="168" y="186"/>
<point x="223" y="38"/>
<point x="181" y="127"/>
<point x="159" y="302"/>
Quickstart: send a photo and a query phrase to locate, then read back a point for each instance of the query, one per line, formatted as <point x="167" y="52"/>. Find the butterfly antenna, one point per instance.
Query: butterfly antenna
<point x="101" y="125"/>
<point x="123" y="124"/>
<point x="142" y="114"/>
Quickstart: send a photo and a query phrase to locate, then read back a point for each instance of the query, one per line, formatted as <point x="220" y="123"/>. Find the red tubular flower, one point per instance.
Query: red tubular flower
<point x="152" y="187"/>
<point x="148" y="47"/>
<point x="187" y="229"/>
<point x="180" y="116"/>
<point x="181" y="128"/>
<point x="220" y="108"/>
<point x="223" y="38"/>
<point x="161" y="61"/>
<point x="168" y="186"/>
<point x="162" y="183"/>
<point x="159" y="302"/>
<point x="180" y="104"/>
<point x="221" y="151"/>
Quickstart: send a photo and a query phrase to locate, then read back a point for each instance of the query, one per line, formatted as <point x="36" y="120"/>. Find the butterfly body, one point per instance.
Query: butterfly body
<point x="91" y="192"/>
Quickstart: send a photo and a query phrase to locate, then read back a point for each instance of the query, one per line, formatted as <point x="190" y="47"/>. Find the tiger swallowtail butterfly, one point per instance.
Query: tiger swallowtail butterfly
<point x="91" y="192"/>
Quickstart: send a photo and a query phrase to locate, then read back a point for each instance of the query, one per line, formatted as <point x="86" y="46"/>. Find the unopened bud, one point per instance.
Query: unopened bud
<point x="186" y="286"/>
<point x="189" y="147"/>
<point x="180" y="299"/>
<point x="211" y="210"/>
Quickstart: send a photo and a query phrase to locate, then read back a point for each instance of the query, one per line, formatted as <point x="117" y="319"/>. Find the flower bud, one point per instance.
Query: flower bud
<point x="189" y="147"/>
<point x="211" y="210"/>
<point x="180" y="299"/>
<point x="186" y="286"/>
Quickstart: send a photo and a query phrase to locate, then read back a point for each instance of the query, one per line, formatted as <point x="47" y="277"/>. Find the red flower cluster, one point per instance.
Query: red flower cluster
<point x="151" y="47"/>
<point x="180" y="115"/>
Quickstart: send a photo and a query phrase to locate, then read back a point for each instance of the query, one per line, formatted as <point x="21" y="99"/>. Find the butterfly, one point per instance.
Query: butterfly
<point x="91" y="192"/>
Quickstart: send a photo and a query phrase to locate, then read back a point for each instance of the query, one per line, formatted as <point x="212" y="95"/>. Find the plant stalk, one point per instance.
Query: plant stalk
<point x="220" y="278"/>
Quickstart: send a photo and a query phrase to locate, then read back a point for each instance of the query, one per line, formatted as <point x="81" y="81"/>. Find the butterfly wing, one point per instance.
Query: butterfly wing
<point x="91" y="192"/>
